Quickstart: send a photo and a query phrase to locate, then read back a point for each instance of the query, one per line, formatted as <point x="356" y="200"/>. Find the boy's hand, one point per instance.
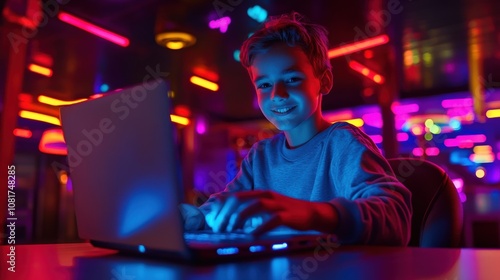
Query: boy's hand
<point x="192" y="216"/>
<point x="234" y="209"/>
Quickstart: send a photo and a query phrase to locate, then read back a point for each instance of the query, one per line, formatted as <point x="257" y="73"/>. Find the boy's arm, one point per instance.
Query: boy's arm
<point x="373" y="207"/>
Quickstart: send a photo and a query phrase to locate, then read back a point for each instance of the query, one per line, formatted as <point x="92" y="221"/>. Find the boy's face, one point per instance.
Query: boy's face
<point x="288" y="92"/>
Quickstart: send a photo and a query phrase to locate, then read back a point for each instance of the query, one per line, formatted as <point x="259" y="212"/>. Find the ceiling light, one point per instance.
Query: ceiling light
<point x="175" y="40"/>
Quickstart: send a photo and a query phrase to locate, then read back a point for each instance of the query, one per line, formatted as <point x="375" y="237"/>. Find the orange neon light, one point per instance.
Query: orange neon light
<point x="365" y="71"/>
<point x="356" y="122"/>
<point x="358" y="46"/>
<point x="204" y="83"/>
<point x="52" y="142"/>
<point x="40" y="70"/>
<point x="23" y="133"/>
<point x="57" y="102"/>
<point x="39" y="117"/>
<point x="179" y="119"/>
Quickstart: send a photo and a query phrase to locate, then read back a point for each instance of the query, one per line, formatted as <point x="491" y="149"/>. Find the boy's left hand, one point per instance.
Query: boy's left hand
<point x="232" y="210"/>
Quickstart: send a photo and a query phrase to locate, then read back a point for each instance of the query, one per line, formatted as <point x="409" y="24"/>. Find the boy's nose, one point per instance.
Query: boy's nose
<point x="279" y="92"/>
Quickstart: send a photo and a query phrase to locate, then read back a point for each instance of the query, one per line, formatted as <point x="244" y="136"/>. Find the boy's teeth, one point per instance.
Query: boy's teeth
<point x="284" y="110"/>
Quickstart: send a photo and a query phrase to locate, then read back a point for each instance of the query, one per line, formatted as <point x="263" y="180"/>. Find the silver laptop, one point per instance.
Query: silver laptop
<point x="124" y="163"/>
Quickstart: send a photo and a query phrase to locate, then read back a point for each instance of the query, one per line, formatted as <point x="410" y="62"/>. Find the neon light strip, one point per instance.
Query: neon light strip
<point x="39" y="117"/>
<point x="377" y="139"/>
<point x="367" y="72"/>
<point x="494" y="113"/>
<point x="23" y="133"/>
<point x="418" y="152"/>
<point x="358" y="46"/>
<point x="461" y="102"/>
<point x="401" y="136"/>
<point x="204" y="83"/>
<point x="335" y="116"/>
<point x="93" y="29"/>
<point x="356" y="122"/>
<point x="404" y="109"/>
<point x="57" y="102"/>
<point x="483" y="158"/>
<point x="40" y="70"/>
<point x="179" y="119"/>
<point x="52" y="142"/>
<point x="432" y="151"/>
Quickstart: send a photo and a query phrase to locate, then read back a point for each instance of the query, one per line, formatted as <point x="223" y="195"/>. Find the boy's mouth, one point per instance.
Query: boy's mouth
<point x="283" y="110"/>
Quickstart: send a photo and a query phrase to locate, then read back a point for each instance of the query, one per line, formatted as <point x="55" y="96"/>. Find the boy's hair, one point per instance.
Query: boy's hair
<point x="289" y="29"/>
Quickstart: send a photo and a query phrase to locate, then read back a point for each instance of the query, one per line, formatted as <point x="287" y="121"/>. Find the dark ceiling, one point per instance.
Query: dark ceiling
<point x="81" y="61"/>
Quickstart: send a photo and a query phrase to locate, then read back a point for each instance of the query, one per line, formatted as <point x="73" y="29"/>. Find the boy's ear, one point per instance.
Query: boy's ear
<point x="326" y="82"/>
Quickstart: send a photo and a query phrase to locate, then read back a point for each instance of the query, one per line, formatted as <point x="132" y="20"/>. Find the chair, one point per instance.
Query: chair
<point x="437" y="219"/>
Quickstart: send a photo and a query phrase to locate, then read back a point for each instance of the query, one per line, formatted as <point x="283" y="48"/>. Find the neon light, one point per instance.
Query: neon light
<point x="459" y="184"/>
<point x="404" y="109"/>
<point x="358" y="46"/>
<point x="23" y="133"/>
<point x="356" y="122"/>
<point x="227" y="251"/>
<point x="432" y="151"/>
<point x="142" y="249"/>
<point x="455" y="124"/>
<point x="63" y="177"/>
<point x="482" y="158"/>
<point x="493" y="113"/>
<point x="204" y="83"/>
<point x="335" y="116"/>
<point x="206" y="73"/>
<point x="480" y="173"/>
<point x="460" y="102"/>
<point x="279" y="246"/>
<point x="373" y="119"/>
<point x="498" y="156"/>
<point x="429" y="123"/>
<point x="94" y="29"/>
<point x="482" y="149"/>
<point x="57" y="102"/>
<point x="39" y="117"/>
<point x="377" y="139"/>
<point x="256" y="248"/>
<point x="401" y="136"/>
<point x="365" y="71"/>
<point x="179" y="119"/>
<point x="222" y="24"/>
<point x="236" y="55"/>
<point x="435" y="129"/>
<point x="257" y="13"/>
<point x="40" y="70"/>
<point x="104" y="88"/>
<point x="52" y="142"/>
<point x="417" y="130"/>
<point x="418" y="152"/>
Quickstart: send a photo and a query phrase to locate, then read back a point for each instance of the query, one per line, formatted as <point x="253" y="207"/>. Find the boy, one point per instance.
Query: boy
<point x="314" y="175"/>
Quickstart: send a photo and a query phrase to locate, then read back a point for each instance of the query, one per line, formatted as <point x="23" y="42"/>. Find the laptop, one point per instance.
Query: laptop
<point x="125" y="168"/>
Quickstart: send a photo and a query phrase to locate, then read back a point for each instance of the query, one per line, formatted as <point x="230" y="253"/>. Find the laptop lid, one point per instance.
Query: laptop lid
<point x="124" y="167"/>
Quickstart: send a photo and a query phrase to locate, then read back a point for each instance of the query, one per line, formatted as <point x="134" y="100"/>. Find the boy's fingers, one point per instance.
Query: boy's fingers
<point x="244" y="212"/>
<point x="222" y="218"/>
<point x="268" y="225"/>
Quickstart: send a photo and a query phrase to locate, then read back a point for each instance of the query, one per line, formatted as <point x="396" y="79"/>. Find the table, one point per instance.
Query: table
<point x="82" y="261"/>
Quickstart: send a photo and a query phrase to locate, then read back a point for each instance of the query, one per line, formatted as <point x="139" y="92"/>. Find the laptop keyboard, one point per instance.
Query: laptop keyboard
<point x="215" y="236"/>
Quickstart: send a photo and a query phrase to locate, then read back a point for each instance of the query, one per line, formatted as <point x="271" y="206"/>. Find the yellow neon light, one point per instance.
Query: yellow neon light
<point x="39" y="117"/>
<point x="51" y="137"/>
<point x="494" y="113"/>
<point x="40" y="70"/>
<point x="204" y="83"/>
<point x="179" y="119"/>
<point x="356" y="122"/>
<point x="57" y="102"/>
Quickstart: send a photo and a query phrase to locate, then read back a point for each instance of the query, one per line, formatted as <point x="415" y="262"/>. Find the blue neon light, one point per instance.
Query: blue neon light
<point x="227" y="251"/>
<point x="280" y="246"/>
<point x="142" y="249"/>
<point x="257" y="13"/>
<point x="256" y="248"/>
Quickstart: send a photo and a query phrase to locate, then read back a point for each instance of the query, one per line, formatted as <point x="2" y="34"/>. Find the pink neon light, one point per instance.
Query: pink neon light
<point x="221" y="23"/>
<point x="418" y="152"/>
<point x="93" y="29"/>
<point x="404" y="109"/>
<point x="401" y="136"/>
<point x="358" y="46"/>
<point x="498" y="156"/>
<point x="373" y="119"/>
<point x="461" y="102"/>
<point x="376" y="138"/>
<point x="367" y="72"/>
<point x="465" y="141"/>
<point x="432" y="151"/>
<point x="459" y="184"/>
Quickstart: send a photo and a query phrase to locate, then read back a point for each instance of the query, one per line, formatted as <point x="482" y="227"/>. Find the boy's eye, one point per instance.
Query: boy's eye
<point x="293" y="80"/>
<point x="263" y="85"/>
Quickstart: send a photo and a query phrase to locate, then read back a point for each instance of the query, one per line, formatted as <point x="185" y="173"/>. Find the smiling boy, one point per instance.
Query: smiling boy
<point x="314" y="175"/>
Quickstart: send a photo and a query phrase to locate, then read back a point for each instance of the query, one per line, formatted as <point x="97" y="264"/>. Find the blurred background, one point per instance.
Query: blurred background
<point x="420" y="77"/>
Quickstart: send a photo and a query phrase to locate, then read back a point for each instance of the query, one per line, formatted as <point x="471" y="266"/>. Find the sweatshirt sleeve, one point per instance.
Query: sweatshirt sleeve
<point x="373" y="206"/>
<point x="241" y="182"/>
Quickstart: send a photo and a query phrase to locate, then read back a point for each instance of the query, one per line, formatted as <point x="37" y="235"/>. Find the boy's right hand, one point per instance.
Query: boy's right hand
<point x="192" y="216"/>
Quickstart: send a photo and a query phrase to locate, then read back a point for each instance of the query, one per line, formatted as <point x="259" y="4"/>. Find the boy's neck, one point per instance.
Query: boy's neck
<point x="305" y="131"/>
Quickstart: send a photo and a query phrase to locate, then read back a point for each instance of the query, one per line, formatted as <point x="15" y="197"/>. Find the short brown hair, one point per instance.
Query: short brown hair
<point x="292" y="30"/>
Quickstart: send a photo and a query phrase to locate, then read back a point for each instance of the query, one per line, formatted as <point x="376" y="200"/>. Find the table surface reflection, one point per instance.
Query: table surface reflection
<point x="82" y="261"/>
